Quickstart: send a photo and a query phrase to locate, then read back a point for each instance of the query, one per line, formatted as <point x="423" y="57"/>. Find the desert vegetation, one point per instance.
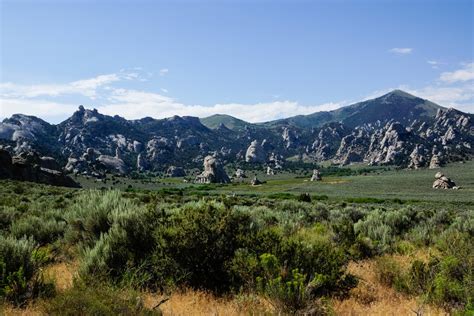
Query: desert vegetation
<point x="272" y="253"/>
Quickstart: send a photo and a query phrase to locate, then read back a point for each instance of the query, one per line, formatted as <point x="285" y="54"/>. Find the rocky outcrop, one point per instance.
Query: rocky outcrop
<point x="113" y="164"/>
<point x="328" y="141"/>
<point x="290" y="137"/>
<point x="443" y="182"/>
<point x="417" y="158"/>
<point x="142" y="164"/>
<point x="255" y="181"/>
<point x="255" y="153"/>
<point x="213" y="172"/>
<point x="396" y="129"/>
<point x="240" y="174"/>
<point x="352" y="148"/>
<point x="435" y="162"/>
<point x="175" y="172"/>
<point x="316" y="175"/>
<point x="270" y="171"/>
<point x="27" y="167"/>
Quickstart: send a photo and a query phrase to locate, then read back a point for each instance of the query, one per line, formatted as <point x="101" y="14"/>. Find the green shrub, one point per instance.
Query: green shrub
<point x="123" y="246"/>
<point x="20" y="270"/>
<point x="390" y="273"/>
<point x="290" y="292"/>
<point x="304" y="197"/>
<point x="89" y="216"/>
<point x="42" y="230"/>
<point x="8" y="215"/>
<point x="97" y="299"/>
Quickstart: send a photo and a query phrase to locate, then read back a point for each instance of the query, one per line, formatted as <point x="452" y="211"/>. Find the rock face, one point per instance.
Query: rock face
<point x="213" y="172"/>
<point x="443" y="182"/>
<point x="27" y="167"/>
<point x="394" y="129"/>
<point x="114" y="164"/>
<point x="435" y="162"/>
<point x="175" y="172"/>
<point x="316" y="175"/>
<point x="417" y="158"/>
<point x="255" y="153"/>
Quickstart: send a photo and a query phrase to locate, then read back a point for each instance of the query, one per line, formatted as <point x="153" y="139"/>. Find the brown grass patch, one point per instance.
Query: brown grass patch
<point x="193" y="302"/>
<point x="62" y="274"/>
<point x="372" y="298"/>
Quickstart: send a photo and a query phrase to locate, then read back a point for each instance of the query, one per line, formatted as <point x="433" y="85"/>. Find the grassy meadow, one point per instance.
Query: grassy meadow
<point x="376" y="241"/>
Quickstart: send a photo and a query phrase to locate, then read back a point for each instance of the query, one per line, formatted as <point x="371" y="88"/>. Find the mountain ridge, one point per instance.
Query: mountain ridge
<point x="396" y="128"/>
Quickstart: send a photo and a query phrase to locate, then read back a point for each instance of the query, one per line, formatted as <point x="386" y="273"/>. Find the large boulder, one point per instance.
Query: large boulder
<point x="113" y="164"/>
<point x="213" y="172"/>
<point x="316" y="175"/>
<point x="255" y="153"/>
<point x="443" y="182"/>
<point x="256" y="181"/>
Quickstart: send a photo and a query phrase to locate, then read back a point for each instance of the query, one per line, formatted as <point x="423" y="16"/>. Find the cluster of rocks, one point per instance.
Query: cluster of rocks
<point x="29" y="166"/>
<point x="443" y="182"/>
<point x="94" y="163"/>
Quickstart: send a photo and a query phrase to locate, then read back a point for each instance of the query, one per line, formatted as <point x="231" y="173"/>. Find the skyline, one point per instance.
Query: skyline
<point x="257" y="61"/>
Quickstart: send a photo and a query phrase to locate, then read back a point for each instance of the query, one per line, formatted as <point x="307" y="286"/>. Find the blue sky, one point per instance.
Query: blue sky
<point x="257" y="60"/>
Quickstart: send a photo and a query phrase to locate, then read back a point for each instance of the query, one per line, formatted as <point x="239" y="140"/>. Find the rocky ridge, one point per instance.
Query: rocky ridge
<point x="92" y="143"/>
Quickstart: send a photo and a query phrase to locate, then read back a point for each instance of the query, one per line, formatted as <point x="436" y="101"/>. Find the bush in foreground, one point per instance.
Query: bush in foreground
<point x="20" y="270"/>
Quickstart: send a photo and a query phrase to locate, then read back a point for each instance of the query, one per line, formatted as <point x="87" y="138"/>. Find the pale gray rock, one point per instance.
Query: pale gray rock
<point x="213" y="172"/>
<point x="113" y="164"/>
<point x="255" y="153"/>
<point x="270" y="171"/>
<point x="435" y="162"/>
<point x="142" y="164"/>
<point x="316" y="175"/>
<point x="443" y="182"/>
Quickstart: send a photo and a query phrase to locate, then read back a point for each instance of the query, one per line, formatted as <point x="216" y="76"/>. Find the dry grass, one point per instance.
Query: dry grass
<point x="368" y="298"/>
<point x="191" y="302"/>
<point x="372" y="298"/>
<point x="62" y="274"/>
<point x="30" y="310"/>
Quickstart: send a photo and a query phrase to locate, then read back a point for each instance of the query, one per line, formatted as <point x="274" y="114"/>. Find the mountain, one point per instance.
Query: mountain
<point x="216" y="120"/>
<point x="397" y="105"/>
<point x="394" y="129"/>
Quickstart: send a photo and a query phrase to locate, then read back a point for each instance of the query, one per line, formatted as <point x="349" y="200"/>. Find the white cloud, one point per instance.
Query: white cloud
<point x="48" y="100"/>
<point x="52" y="111"/>
<point x="460" y="75"/>
<point x="86" y="87"/>
<point x="434" y="63"/>
<point x="164" y="71"/>
<point x="401" y="51"/>
<point x="134" y="104"/>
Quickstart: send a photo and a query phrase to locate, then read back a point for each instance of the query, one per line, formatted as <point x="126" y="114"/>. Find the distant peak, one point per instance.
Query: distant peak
<point x="400" y="93"/>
